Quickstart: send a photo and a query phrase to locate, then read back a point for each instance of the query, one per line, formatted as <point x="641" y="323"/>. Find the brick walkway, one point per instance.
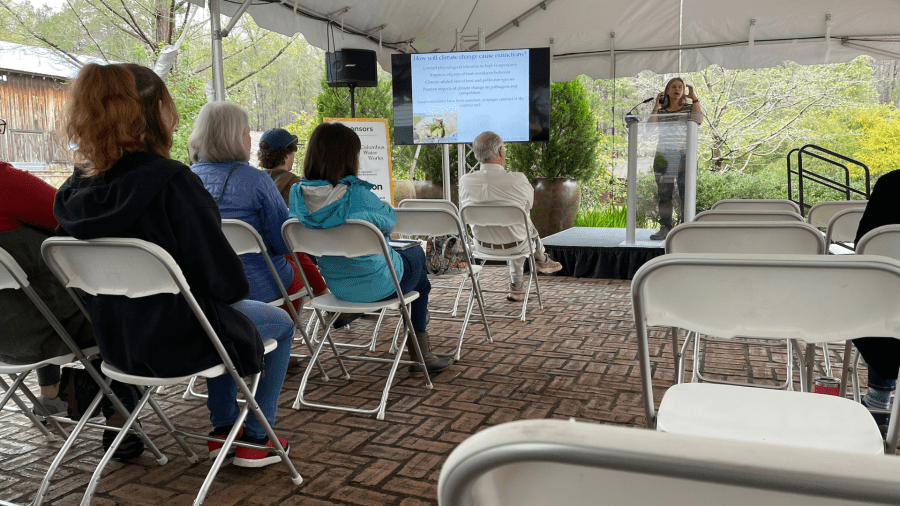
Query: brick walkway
<point x="575" y="358"/>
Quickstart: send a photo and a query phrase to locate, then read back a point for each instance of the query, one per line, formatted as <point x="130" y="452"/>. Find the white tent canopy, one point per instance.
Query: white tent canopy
<point x="586" y="36"/>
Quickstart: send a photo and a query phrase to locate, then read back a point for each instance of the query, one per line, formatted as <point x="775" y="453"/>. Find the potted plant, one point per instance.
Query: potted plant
<point x="555" y="167"/>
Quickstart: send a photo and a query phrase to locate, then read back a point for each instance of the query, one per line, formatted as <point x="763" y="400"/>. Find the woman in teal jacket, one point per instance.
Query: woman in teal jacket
<point x="329" y="195"/>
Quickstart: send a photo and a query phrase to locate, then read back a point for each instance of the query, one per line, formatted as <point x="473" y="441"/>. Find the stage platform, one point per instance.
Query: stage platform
<point x="600" y="252"/>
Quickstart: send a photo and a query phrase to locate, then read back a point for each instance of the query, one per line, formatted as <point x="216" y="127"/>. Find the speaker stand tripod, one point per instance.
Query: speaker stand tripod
<point x="352" y="87"/>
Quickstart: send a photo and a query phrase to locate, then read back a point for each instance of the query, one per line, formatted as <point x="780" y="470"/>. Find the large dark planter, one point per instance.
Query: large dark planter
<point x="555" y="205"/>
<point x="429" y="190"/>
<point x="403" y="189"/>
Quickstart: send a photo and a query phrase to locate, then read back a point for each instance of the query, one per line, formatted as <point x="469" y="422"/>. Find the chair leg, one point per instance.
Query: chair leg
<point x="191" y="456"/>
<point x="476" y="287"/>
<point x="801" y="365"/>
<point x="190" y="391"/>
<point x="61" y="455"/>
<point x="17" y="384"/>
<point x="854" y="361"/>
<point x="826" y="359"/>
<point x="845" y="368"/>
<point x="537" y="285"/>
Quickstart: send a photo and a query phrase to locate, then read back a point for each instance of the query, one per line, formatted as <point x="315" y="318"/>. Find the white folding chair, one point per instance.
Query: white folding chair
<point x="451" y="207"/>
<point x="774" y="297"/>
<point x="136" y="268"/>
<point x="12" y="277"/>
<point x="756" y="205"/>
<point x="842" y="229"/>
<point x="543" y="462"/>
<point x="438" y="222"/>
<point x="882" y="241"/>
<point x="741" y="237"/>
<point x="486" y="215"/>
<point x="820" y="214"/>
<point x="354" y="238"/>
<point x="747" y="215"/>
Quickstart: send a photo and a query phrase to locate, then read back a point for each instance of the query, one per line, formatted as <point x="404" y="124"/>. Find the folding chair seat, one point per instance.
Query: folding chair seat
<point x="778" y="296"/>
<point x="451" y="207"/>
<point x="541" y="462"/>
<point x="741" y="237"/>
<point x="245" y="240"/>
<point x="439" y="222"/>
<point x="136" y="268"/>
<point x="747" y="215"/>
<point x="756" y="205"/>
<point x="354" y="238"/>
<point x="486" y="215"/>
<point x="12" y="277"/>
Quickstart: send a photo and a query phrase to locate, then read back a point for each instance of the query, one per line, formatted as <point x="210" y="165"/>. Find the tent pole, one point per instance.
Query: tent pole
<point x="218" y="71"/>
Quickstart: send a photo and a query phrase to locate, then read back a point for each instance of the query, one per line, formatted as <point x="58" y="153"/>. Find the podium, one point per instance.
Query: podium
<point x="667" y="146"/>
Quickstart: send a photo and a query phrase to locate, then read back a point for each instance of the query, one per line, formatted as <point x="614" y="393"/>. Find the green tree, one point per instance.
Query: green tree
<point x="572" y="149"/>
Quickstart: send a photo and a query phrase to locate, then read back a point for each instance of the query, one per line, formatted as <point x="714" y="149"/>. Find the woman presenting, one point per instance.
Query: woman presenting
<point x="668" y="164"/>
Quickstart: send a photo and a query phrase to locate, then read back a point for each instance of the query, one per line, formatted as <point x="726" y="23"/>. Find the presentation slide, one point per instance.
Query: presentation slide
<point x="456" y="96"/>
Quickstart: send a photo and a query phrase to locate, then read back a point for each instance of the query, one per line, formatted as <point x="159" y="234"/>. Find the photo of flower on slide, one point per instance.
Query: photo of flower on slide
<point x="434" y="128"/>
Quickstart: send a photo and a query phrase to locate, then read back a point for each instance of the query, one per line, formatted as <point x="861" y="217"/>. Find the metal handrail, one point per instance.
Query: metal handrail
<point x="819" y="178"/>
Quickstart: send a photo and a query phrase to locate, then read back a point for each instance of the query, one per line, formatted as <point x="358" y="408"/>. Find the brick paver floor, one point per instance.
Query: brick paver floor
<point x="573" y="359"/>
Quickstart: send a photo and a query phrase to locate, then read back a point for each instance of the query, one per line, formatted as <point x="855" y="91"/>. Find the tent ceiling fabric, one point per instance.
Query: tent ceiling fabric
<point x="648" y="33"/>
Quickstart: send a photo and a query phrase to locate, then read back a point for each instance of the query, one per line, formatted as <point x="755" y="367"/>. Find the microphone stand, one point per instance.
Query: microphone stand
<point x="629" y="119"/>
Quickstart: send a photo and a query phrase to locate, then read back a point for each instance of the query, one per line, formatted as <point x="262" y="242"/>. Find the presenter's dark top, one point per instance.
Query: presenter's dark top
<point x="685" y="109"/>
<point x="150" y="197"/>
<point x="882" y="208"/>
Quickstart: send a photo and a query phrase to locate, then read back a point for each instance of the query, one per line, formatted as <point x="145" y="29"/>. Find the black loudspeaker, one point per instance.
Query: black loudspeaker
<point x="355" y="67"/>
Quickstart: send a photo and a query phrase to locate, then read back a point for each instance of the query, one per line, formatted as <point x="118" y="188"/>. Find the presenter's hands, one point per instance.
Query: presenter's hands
<point x="691" y="94"/>
<point x="658" y="101"/>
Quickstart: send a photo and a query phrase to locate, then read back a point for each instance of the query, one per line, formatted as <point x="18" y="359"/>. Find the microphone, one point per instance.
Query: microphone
<point x="631" y="119"/>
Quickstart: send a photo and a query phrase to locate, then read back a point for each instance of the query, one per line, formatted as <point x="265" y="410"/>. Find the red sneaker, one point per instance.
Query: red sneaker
<point x="215" y="448"/>
<point x="249" y="457"/>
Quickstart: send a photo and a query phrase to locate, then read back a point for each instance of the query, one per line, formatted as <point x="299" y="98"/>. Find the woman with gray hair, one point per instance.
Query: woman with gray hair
<point x="219" y="148"/>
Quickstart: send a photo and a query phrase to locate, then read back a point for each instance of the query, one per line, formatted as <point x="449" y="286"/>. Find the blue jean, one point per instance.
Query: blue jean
<point x="272" y="323"/>
<point x="415" y="278"/>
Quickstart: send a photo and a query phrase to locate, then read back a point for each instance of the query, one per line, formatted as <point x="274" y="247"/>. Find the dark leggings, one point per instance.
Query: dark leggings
<point x="415" y="277"/>
<point x="47" y="375"/>
<point x="882" y="354"/>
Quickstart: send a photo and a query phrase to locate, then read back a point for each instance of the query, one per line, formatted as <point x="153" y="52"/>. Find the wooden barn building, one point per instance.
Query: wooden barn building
<point x="33" y="97"/>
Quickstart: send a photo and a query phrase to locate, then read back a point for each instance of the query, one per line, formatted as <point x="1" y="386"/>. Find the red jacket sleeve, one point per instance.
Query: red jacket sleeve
<point x="24" y="199"/>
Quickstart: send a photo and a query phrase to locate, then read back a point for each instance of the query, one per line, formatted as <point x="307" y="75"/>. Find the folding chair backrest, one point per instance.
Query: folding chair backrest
<point x="427" y="222"/>
<point x="717" y="215"/>
<point x="11" y="275"/>
<point x="883" y="241"/>
<point x="749" y="237"/>
<point x="113" y="266"/>
<point x="813" y="298"/>
<point x="756" y="205"/>
<point x="242" y="237"/>
<point x="354" y="238"/>
<point x="484" y="215"/>
<point x="428" y="204"/>
<point x="540" y="462"/>
<point x="843" y="225"/>
<point x="820" y="214"/>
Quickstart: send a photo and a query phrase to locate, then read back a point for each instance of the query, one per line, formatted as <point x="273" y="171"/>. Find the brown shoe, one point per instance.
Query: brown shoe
<point x="548" y="266"/>
<point x="516" y="297"/>
<point x="433" y="363"/>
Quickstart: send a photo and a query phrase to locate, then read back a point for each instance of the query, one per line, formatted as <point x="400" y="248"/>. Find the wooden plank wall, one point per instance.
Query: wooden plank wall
<point x="34" y="109"/>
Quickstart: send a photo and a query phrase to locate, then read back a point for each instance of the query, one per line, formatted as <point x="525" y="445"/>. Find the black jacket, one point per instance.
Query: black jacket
<point x="146" y="196"/>
<point x="882" y="208"/>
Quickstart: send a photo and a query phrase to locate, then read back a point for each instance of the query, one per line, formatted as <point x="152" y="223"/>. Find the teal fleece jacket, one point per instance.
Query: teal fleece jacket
<point x="319" y="205"/>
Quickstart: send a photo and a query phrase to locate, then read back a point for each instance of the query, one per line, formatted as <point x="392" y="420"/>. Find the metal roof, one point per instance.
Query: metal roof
<point x="40" y="61"/>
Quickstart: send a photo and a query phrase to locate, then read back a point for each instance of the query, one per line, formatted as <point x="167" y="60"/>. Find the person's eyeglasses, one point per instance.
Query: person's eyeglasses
<point x="2" y="126"/>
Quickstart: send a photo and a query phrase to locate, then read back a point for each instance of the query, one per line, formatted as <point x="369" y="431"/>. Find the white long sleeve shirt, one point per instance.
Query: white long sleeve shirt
<point x="493" y="184"/>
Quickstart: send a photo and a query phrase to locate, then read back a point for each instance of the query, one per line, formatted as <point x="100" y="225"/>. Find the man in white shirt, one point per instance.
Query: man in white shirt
<point x="492" y="184"/>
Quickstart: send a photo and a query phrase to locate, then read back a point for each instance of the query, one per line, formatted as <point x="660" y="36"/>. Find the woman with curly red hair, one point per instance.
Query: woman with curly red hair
<point x="122" y="119"/>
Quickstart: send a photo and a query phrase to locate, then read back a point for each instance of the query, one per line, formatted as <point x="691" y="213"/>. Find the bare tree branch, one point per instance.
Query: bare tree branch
<point x="137" y="27"/>
<point x="272" y="60"/>
<point x="41" y="38"/>
<point x="88" y="32"/>
<point x="239" y="51"/>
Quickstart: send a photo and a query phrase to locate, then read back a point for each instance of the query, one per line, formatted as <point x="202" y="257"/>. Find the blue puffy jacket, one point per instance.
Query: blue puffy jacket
<point x="251" y="196"/>
<point x="318" y="205"/>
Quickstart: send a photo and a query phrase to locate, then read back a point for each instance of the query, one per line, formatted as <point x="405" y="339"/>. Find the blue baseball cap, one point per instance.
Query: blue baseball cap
<point x="276" y="138"/>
